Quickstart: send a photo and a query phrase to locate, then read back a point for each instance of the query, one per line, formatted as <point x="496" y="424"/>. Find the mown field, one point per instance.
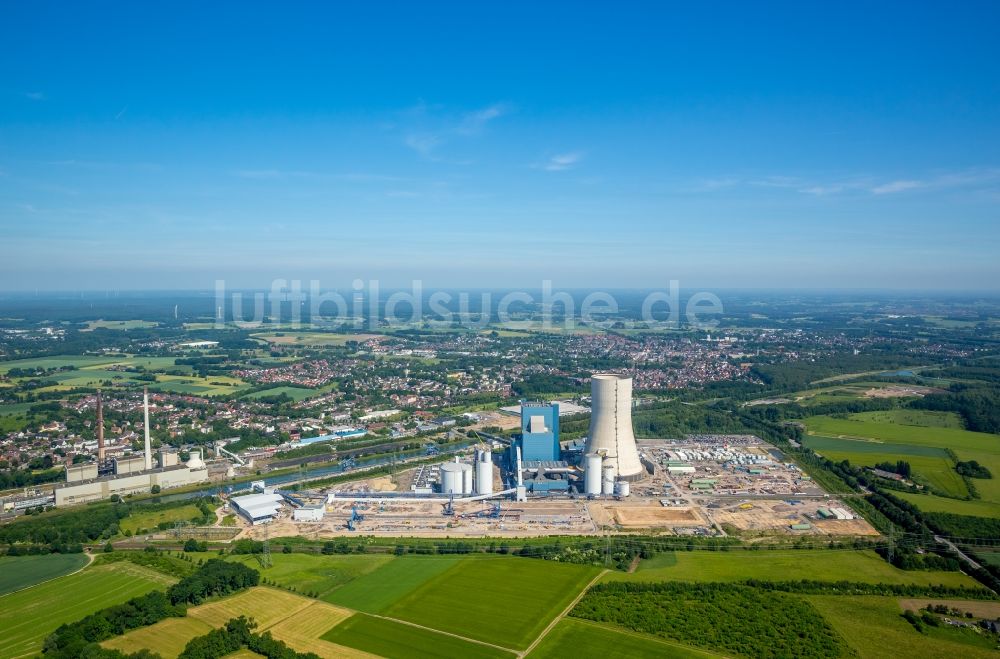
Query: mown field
<point x="318" y="574"/>
<point x="590" y="640"/>
<point x="874" y="628"/>
<point x="295" y="393"/>
<point x="28" y="616"/>
<point x="782" y="565"/>
<point x="97" y="371"/>
<point x="380" y="589"/>
<point x="921" y="438"/>
<point x="396" y="640"/>
<point x="528" y="592"/>
<point x="17" y="572"/>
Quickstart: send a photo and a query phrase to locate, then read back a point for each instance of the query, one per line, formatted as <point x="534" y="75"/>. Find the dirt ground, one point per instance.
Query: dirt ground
<point x="899" y="391"/>
<point x="979" y="609"/>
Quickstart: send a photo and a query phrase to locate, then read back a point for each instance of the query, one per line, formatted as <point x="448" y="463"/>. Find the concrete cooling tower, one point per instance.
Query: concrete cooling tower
<point x="611" y="424"/>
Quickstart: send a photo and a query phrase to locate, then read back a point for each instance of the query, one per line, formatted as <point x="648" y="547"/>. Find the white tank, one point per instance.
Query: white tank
<point x="608" y="481"/>
<point x="451" y="478"/>
<point x="611" y="423"/>
<point x="623" y="488"/>
<point x="484" y="474"/>
<point x="466" y="478"/>
<point x="592" y="473"/>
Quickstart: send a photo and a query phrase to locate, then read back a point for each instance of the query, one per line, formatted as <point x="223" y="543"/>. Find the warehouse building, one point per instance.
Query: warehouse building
<point x="258" y="508"/>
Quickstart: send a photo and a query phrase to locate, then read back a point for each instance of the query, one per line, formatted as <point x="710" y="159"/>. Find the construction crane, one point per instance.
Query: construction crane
<point x="449" y="508"/>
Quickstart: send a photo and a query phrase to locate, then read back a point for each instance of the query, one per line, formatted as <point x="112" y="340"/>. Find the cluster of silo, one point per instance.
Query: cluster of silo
<point x="456" y="478"/>
<point x="484" y="472"/>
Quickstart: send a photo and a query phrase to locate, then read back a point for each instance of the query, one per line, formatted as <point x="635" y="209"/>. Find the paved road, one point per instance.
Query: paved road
<point x="950" y="545"/>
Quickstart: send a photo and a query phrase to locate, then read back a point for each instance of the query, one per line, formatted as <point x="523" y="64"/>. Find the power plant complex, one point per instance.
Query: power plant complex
<point x="132" y="474"/>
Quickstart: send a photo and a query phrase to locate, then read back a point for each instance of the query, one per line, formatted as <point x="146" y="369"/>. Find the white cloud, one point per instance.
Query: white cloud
<point x="896" y="186"/>
<point x="561" y="162"/>
<point x="423" y="143"/>
<point x="474" y="122"/>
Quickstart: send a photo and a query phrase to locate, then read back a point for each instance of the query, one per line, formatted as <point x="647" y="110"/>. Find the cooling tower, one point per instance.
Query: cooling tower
<point x="611" y="424"/>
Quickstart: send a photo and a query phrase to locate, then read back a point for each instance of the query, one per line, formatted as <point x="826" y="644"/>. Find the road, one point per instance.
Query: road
<point x="950" y="545"/>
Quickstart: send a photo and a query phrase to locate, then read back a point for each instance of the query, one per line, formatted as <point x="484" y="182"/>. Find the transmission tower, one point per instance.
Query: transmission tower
<point x="265" y="559"/>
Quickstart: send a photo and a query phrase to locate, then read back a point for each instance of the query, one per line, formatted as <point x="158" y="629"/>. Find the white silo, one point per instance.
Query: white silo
<point x="623" y="488"/>
<point x="608" y="481"/>
<point x="466" y="478"/>
<point x="451" y="478"/>
<point x="592" y="473"/>
<point x="611" y="423"/>
<point x="484" y="473"/>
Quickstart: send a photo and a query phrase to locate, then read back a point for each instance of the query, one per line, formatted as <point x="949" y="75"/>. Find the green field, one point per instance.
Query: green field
<point x="28" y="616"/>
<point x="149" y="520"/>
<point x="17" y="572"/>
<point x="295" y="393"/>
<point x="528" y="592"/>
<point x="167" y="637"/>
<point x="375" y="592"/>
<point x="932" y="504"/>
<point x="119" y="324"/>
<point x="870" y="437"/>
<point x="590" y="640"/>
<point x="396" y="640"/>
<point x="782" y="565"/>
<point x="61" y="361"/>
<point x="874" y="627"/>
<point x="316" y="573"/>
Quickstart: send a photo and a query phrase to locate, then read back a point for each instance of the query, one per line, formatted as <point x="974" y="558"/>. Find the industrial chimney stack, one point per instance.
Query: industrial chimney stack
<point x="100" y="429"/>
<point x="145" y="411"/>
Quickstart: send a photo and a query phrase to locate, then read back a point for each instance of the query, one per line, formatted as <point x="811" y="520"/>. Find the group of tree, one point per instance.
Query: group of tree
<point x="972" y="469"/>
<point x="733" y="618"/>
<point x="901" y="467"/>
<point x="214" y="577"/>
<point x="236" y="635"/>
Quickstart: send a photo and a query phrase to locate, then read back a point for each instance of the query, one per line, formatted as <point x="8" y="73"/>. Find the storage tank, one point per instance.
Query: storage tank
<point x="484" y="473"/>
<point x="592" y="473"/>
<point x="451" y="478"/>
<point x="608" y="482"/>
<point x="623" y="488"/>
<point x="466" y="478"/>
<point x="611" y="423"/>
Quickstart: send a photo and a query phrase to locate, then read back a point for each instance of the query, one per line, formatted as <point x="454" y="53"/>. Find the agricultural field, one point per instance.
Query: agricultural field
<point x="167" y="637"/>
<point x="150" y="520"/>
<point x="782" y="565"/>
<point x="265" y="605"/>
<point x="397" y="640"/>
<point x="590" y="640"/>
<point x="934" y="504"/>
<point x="17" y="572"/>
<point x="28" y="616"/>
<point x="295" y="393"/>
<point x="378" y="590"/>
<point x="870" y="437"/>
<point x="119" y="324"/>
<point x="529" y="592"/>
<point x="317" y="573"/>
<point x="874" y="628"/>
<point x="303" y="630"/>
<point x="311" y="338"/>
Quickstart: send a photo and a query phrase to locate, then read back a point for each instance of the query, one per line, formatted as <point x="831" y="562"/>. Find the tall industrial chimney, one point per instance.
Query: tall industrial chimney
<point x="145" y="412"/>
<point x="611" y="424"/>
<point x="100" y="429"/>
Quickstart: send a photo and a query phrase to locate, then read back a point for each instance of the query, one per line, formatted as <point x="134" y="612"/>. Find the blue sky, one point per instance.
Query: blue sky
<point x="625" y="144"/>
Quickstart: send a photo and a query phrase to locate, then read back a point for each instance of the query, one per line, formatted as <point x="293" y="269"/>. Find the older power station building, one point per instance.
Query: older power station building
<point x="130" y="474"/>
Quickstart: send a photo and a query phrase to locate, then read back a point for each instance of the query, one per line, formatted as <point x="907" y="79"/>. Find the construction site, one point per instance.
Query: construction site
<point x="534" y="485"/>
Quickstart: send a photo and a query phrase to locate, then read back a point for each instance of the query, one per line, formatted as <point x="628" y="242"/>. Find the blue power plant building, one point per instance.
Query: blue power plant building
<point x="539" y="431"/>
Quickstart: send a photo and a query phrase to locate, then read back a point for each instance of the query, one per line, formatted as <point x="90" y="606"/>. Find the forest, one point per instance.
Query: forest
<point x="730" y="617"/>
